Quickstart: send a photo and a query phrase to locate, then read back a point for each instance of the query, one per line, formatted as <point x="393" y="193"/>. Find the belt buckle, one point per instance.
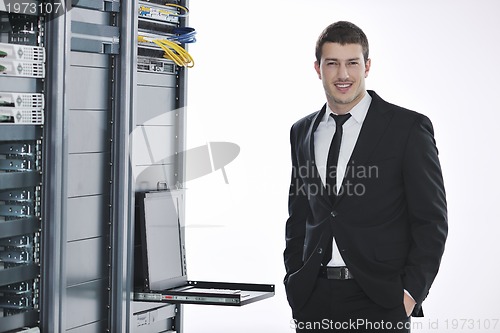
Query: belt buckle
<point x="344" y="273"/>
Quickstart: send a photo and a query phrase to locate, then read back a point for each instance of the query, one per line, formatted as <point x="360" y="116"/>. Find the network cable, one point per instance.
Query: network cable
<point x="185" y="9"/>
<point x="184" y="35"/>
<point x="172" y="50"/>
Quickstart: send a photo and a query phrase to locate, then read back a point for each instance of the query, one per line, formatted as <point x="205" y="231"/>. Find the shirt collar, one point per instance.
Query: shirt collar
<point x="358" y="112"/>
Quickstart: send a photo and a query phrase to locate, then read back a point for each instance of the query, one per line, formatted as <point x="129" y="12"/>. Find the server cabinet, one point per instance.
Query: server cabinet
<point x="158" y="127"/>
<point x="58" y="66"/>
<point x="100" y="116"/>
<point x="22" y="108"/>
<point x="77" y="265"/>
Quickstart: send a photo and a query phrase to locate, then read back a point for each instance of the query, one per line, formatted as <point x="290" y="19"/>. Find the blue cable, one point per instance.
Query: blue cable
<point x="185" y="35"/>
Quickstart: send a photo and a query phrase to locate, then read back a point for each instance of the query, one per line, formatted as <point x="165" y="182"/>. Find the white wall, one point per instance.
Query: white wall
<point x="254" y="78"/>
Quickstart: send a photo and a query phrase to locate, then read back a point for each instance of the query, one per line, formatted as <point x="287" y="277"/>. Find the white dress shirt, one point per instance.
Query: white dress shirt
<point x="322" y="139"/>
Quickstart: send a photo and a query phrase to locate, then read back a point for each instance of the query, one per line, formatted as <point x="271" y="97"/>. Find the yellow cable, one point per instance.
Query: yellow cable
<point x="186" y="11"/>
<point x="172" y="50"/>
<point x="176" y="52"/>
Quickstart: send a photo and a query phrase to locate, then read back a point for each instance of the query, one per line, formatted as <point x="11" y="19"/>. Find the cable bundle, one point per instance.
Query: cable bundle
<point x="172" y="50"/>
<point x="184" y="35"/>
<point x="171" y="45"/>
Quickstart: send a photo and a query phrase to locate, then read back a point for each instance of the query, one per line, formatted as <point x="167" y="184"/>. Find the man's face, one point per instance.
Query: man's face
<point x="343" y="72"/>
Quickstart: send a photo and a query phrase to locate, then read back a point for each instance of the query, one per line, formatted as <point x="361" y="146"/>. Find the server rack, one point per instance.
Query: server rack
<point x="22" y="73"/>
<point x="83" y="45"/>
<point x="158" y="134"/>
<point x="68" y="170"/>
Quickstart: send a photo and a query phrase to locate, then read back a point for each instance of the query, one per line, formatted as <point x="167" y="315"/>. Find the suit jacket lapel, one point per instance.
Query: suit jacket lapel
<point x="310" y="156"/>
<point x="309" y="141"/>
<point x="374" y="126"/>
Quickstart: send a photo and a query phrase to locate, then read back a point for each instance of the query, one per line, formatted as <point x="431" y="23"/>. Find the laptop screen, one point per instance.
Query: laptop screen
<point x="164" y="229"/>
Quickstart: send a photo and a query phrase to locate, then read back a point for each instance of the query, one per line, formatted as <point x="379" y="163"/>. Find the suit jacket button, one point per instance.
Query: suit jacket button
<point x="333" y="213"/>
<point x="320" y="250"/>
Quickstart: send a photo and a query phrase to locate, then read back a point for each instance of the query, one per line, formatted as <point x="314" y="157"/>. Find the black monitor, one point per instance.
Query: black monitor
<point x="160" y="261"/>
<point x="160" y="247"/>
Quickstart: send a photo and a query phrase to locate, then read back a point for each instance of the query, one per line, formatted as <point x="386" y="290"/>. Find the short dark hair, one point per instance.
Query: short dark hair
<point x="342" y="32"/>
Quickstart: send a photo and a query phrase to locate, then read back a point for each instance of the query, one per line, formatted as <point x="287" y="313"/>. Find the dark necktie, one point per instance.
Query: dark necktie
<point x="331" y="171"/>
<point x="333" y="155"/>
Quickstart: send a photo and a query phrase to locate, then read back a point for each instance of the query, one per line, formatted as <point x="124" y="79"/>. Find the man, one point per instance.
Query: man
<point x="367" y="209"/>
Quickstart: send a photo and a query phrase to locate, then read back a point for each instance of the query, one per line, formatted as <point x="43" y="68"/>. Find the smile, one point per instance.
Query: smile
<point x="343" y="87"/>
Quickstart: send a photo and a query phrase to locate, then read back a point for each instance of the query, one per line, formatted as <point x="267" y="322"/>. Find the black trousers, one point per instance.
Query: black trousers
<point x="342" y="306"/>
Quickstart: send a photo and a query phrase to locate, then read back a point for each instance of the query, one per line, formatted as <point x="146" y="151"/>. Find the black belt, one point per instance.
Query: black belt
<point x="335" y="273"/>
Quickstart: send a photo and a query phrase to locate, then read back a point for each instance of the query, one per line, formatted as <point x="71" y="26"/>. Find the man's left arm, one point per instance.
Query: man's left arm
<point x="426" y="202"/>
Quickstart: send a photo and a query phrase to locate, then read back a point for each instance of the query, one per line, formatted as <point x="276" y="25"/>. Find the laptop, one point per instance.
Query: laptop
<point x="160" y="261"/>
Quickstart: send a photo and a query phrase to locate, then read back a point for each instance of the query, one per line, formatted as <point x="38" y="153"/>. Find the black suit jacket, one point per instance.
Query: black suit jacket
<point x="390" y="221"/>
